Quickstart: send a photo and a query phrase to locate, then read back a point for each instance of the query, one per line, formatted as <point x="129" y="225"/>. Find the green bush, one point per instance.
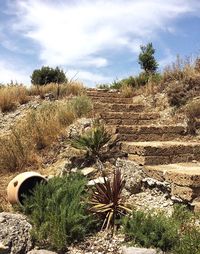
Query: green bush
<point x="92" y="140"/>
<point x="179" y="234"/>
<point x="147" y="60"/>
<point x="150" y="230"/>
<point x="81" y="105"/>
<point x="116" y="84"/>
<point x="142" y="79"/>
<point x="58" y="212"/>
<point x="47" y="75"/>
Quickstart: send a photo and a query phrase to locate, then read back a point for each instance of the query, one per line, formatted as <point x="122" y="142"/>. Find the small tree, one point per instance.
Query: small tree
<point x="147" y="60"/>
<point x="47" y="75"/>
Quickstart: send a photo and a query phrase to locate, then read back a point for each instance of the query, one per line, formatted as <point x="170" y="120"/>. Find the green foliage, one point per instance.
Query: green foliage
<point x="142" y="79"/>
<point x="189" y="241"/>
<point x="47" y="75"/>
<point x="103" y="86"/>
<point x="81" y="105"/>
<point x="147" y="229"/>
<point x="106" y="200"/>
<point x="92" y="140"/>
<point x="179" y="234"/>
<point x="58" y="212"/>
<point x="116" y="84"/>
<point x="147" y="60"/>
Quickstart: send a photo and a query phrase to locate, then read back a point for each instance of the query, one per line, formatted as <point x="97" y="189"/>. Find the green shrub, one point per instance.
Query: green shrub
<point x="116" y="84"/>
<point x="58" y="212"/>
<point x="47" y="75"/>
<point x="146" y="58"/>
<point x="189" y="241"/>
<point x="81" y="105"/>
<point x="104" y="86"/>
<point x="151" y="230"/>
<point x="92" y="140"/>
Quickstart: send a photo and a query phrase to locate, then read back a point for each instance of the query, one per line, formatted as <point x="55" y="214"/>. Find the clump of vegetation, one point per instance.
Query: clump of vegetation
<point x="92" y="141"/>
<point x="81" y="105"/>
<point x="127" y="91"/>
<point x="182" y="80"/>
<point x="106" y="200"/>
<point x="39" y="129"/>
<point x="11" y="96"/>
<point x="58" y="90"/>
<point x="192" y="112"/>
<point x="177" y="234"/>
<point x="147" y="60"/>
<point x="58" y="212"/>
<point x="47" y="75"/>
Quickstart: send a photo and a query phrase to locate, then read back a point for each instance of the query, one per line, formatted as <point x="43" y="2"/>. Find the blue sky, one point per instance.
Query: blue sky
<point x="96" y="40"/>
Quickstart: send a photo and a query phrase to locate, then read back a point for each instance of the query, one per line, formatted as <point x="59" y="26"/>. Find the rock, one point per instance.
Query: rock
<point x="133" y="250"/>
<point x="15" y="233"/>
<point x="78" y="127"/>
<point x="133" y="175"/>
<point x="4" y="249"/>
<point x="41" y="252"/>
<point x="88" y="171"/>
<point x="97" y="180"/>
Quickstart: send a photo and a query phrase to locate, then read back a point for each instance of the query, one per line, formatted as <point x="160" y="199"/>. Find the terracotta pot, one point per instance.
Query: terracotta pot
<point x="21" y="185"/>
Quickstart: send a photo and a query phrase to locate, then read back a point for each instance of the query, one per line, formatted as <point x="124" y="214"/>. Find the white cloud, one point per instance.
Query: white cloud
<point x="84" y="34"/>
<point x="78" y="33"/>
<point x="9" y="72"/>
<point x="90" y="78"/>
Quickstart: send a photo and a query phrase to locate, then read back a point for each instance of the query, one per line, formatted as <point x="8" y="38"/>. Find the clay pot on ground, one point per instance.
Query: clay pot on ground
<point x="23" y="185"/>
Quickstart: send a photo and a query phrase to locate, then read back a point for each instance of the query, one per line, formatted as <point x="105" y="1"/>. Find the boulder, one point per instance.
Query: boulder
<point x="15" y="237"/>
<point x="134" y="250"/>
<point x="41" y="252"/>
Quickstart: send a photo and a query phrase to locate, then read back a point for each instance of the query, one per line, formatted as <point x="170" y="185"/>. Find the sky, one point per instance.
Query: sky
<point x="94" y="41"/>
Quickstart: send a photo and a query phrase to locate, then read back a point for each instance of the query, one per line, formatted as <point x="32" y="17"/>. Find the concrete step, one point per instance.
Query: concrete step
<point x="161" y="152"/>
<point x="118" y="107"/>
<point x="184" y="178"/>
<point x="150" y="133"/>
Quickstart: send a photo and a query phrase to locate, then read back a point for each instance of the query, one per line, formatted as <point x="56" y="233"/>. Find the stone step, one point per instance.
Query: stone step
<point x="150" y="133"/>
<point x="130" y="115"/>
<point x="161" y="152"/>
<point x="118" y="122"/>
<point x="118" y="107"/>
<point x="184" y="178"/>
<point x="113" y="99"/>
<point x="104" y="94"/>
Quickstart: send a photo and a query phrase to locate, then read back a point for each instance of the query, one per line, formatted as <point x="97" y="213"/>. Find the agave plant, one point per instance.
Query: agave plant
<point x="93" y="140"/>
<point x="106" y="200"/>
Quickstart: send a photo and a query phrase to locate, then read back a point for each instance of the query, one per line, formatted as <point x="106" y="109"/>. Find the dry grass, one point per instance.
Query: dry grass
<point x="12" y="96"/>
<point x="39" y="129"/>
<point x="127" y="91"/>
<point x="192" y="111"/>
<point x="62" y="90"/>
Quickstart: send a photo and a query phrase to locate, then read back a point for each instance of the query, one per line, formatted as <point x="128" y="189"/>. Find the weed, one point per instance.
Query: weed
<point x="58" y="212"/>
<point x="106" y="200"/>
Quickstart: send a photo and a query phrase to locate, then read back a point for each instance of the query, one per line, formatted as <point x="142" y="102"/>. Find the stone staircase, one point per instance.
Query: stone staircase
<point x="160" y="146"/>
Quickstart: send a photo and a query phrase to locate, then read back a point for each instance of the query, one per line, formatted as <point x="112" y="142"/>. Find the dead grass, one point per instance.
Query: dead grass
<point x="58" y="91"/>
<point x="127" y="91"/>
<point x="39" y="129"/>
<point x="12" y="96"/>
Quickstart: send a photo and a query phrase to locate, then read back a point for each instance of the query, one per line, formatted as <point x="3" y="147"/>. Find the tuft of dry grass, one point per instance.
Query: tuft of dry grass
<point x="39" y="129"/>
<point x="127" y="91"/>
<point x="11" y="96"/>
<point x="58" y="90"/>
<point x="192" y="111"/>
